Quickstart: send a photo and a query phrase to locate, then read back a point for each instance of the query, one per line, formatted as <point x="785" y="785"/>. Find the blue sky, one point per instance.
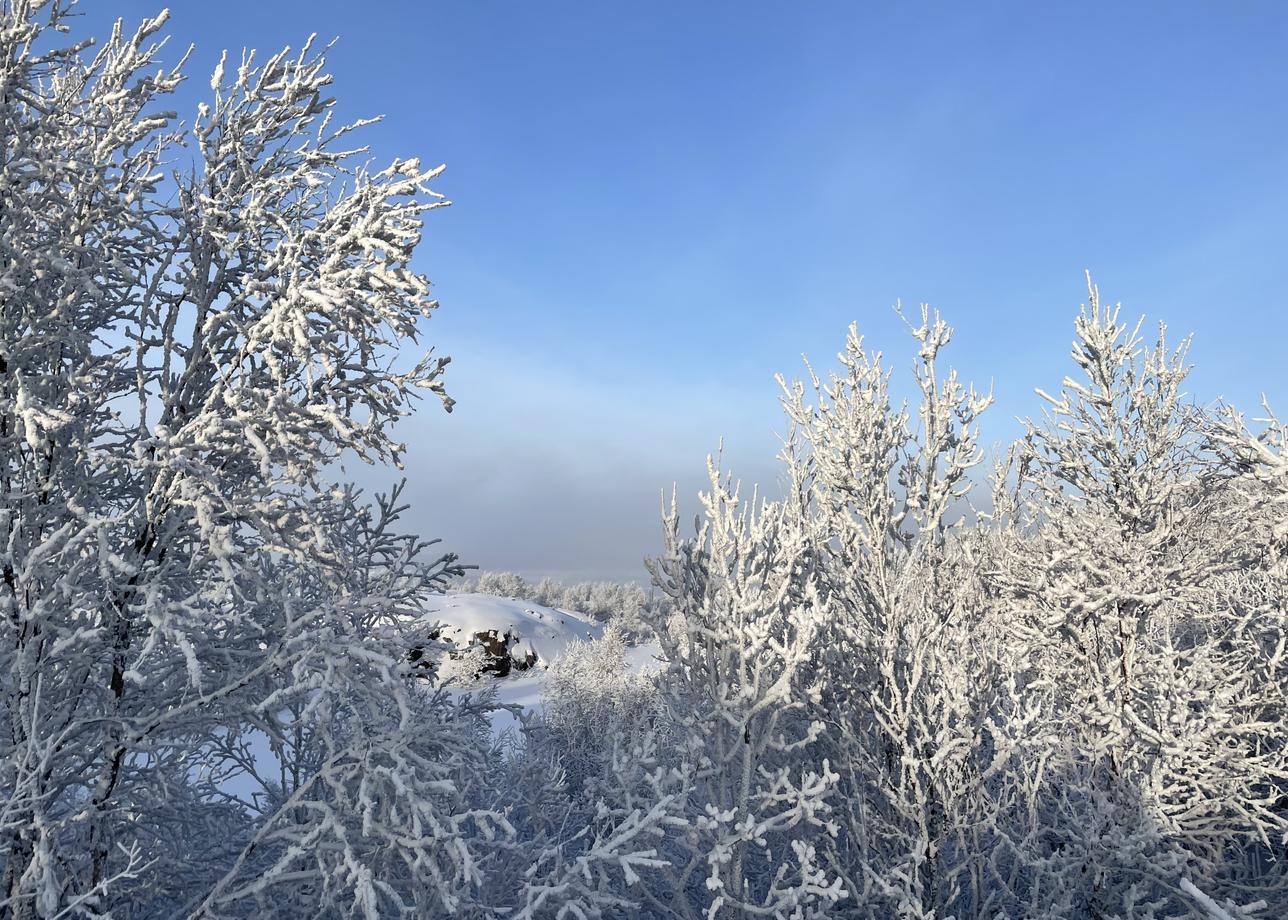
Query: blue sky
<point x="658" y="206"/>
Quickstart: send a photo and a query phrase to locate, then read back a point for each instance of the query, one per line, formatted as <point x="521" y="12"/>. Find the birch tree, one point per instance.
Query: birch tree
<point x="1130" y="586"/>
<point x="198" y="324"/>
<point x="912" y="679"/>
<point x="736" y="677"/>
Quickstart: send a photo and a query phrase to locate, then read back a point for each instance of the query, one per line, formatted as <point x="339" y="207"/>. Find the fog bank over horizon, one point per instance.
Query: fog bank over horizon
<point x="567" y="479"/>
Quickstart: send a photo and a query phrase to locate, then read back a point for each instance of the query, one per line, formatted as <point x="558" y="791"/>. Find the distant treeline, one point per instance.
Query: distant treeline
<point x="620" y="603"/>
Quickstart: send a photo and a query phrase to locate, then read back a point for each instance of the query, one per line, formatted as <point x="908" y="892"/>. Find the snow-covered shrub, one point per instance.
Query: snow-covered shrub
<point x="594" y="701"/>
<point x="593" y="852"/>
<point x="503" y="584"/>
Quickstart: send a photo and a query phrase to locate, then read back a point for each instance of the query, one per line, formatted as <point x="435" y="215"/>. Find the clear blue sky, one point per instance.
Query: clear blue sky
<point x="659" y="205"/>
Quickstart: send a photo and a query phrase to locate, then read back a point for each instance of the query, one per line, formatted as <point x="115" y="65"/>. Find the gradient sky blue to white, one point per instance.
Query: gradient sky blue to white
<point x="659" y="205"/>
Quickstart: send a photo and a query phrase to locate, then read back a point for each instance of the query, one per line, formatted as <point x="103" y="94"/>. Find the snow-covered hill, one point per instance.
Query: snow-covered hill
<point x="532" y="635"/>
<point x="482" y="627"/>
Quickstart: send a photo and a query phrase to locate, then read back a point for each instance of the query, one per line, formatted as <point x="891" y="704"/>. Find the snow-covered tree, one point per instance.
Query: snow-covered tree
<point x="736" y="678"/>
<point x="196" y="327"/>
<point x="911" y="677"/>
<point x="1075" y="711"/>
<point x="1131" y="574"/>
